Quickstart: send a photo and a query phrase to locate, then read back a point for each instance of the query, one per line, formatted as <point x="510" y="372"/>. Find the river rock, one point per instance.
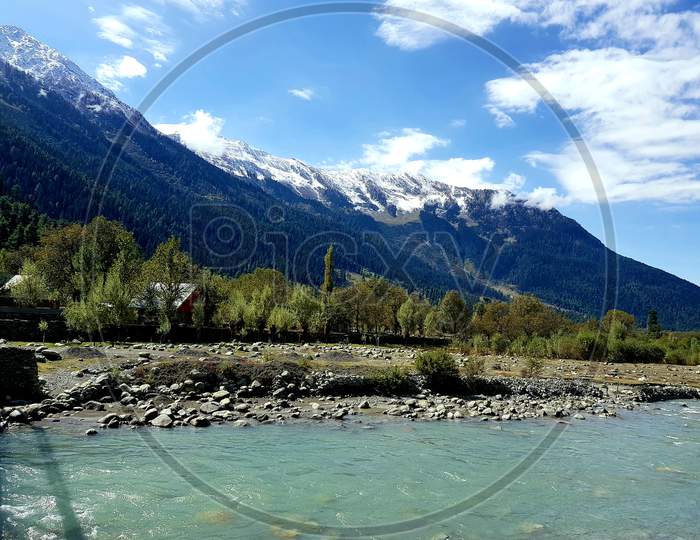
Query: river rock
<point x="221" y="394"/>
<point x="224" y="415"/>
<point x="209" y="407"/>
<point x="150" y="414"/>
<point x="18" y="416"/>
<point x="94" y="406"/>
<point x="162" y="421"/>
<point x="199" y="421"/>
<point x="51" y="355"/>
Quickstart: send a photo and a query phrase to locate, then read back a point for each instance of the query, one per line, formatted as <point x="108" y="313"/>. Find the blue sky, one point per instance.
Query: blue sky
<point x="394" y="94"/>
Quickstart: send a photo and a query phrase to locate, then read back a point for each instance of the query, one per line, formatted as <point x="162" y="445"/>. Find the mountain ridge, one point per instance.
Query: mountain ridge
<point x="53" y="145"/>
<point x="58" y="72"/>
<point x="360" y="188"/>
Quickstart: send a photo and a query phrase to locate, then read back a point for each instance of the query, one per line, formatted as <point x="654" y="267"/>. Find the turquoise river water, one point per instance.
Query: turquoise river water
<point x="633" y="477"/>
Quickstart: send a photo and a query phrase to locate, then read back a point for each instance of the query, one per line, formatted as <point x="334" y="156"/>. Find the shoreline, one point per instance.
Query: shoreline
<point x="77" y="424"/>
<point x="147" y="388"/>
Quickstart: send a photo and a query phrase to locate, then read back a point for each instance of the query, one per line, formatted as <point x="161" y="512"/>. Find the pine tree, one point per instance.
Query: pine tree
<point x="653" y="326"/>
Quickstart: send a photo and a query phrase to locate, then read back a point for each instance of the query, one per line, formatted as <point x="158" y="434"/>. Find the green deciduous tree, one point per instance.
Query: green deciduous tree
<point x="168" y="274"/>
<point x="304" y="305"/>
<point x="57" y="260"/>
<point x="258" y="310"/>
<point x="280" y="321"/>
<point x="199" y="318"/>
<point x="407" y="317"/>
<point x="412" y="314"/>
<point x="454" y="312"/>
<point x="431" y="324"/>
<point x="120" y="288"/>
<point x="231" y="311"/>
<point x="90" y="313"/>
<point x="31" y="289"/>
<point x="625" y="319"/>
<point x="43" y="327"/>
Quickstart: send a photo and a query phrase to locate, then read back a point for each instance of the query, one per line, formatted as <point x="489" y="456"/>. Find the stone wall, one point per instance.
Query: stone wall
<point x="19" y="376"/>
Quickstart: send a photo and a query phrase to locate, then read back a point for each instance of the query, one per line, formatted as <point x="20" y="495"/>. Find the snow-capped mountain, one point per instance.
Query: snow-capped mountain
<point x="57" y="73"/>
<point x="164" y="189"/>
<point x="362" y="189"/>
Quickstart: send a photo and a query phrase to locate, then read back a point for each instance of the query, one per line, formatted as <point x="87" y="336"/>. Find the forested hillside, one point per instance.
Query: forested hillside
<point x="20" y="223"/>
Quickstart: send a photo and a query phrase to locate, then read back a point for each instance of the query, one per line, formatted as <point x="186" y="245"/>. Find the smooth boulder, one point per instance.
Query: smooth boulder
<point x="162" y="421"/>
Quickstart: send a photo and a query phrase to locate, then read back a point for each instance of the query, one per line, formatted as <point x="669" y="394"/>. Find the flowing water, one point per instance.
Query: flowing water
<point x="635" y="477"/>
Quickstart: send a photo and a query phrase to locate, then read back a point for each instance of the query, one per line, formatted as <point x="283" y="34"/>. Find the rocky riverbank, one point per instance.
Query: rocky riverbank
<point x="198" y="391"/>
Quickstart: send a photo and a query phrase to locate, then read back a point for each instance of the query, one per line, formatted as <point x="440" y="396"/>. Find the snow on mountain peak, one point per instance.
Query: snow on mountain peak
<point x="363" y="189"/>
<point x="56" y="72"/>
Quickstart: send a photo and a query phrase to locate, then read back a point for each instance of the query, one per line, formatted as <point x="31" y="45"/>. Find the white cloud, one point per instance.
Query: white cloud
<point x="469" y="173"/>
<point x="638" y="113"/>
<point x="200" y="131"/>
<point x="113" y="29"/>
<point x="137" y="28"/>
<point x="458" y="123"/>
<point x="454" y="171"/>
<point x="638" y="22"/>
<point x="127" y="67"/>
<point x="641" y="23"/>
<point x="478" y="16"/>
<point x="405" y="152"/>
<point x="502" y="119"/>
<point x="396" y="151"/>
<point x="544" y="198"/>
<point x="631" y="86"/>
<point x="307" y="94"/>
<point x="203" y="9"/>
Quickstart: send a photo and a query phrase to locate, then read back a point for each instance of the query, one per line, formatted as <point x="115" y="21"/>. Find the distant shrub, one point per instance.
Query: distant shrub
<point x="461" y="346"/>
<point x="392" y="380"/>
<point x="567" y="346"/>
<point x="682" y="357"/>
<point x="480" y="344"/>
<point x="538" y="347"/>
<point x="438" y="366"/>
<point x="499" y="343"/>
<point x="533" y="367"/>
<point x="518" y="346"/>
<point x="474" y="366"/>
<point x="634" y="351"/>
<point x="677" y="357"/>
<point x="306" y="363"/>
<point x="650" y="353"/>
<point x="592" y="347"/>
